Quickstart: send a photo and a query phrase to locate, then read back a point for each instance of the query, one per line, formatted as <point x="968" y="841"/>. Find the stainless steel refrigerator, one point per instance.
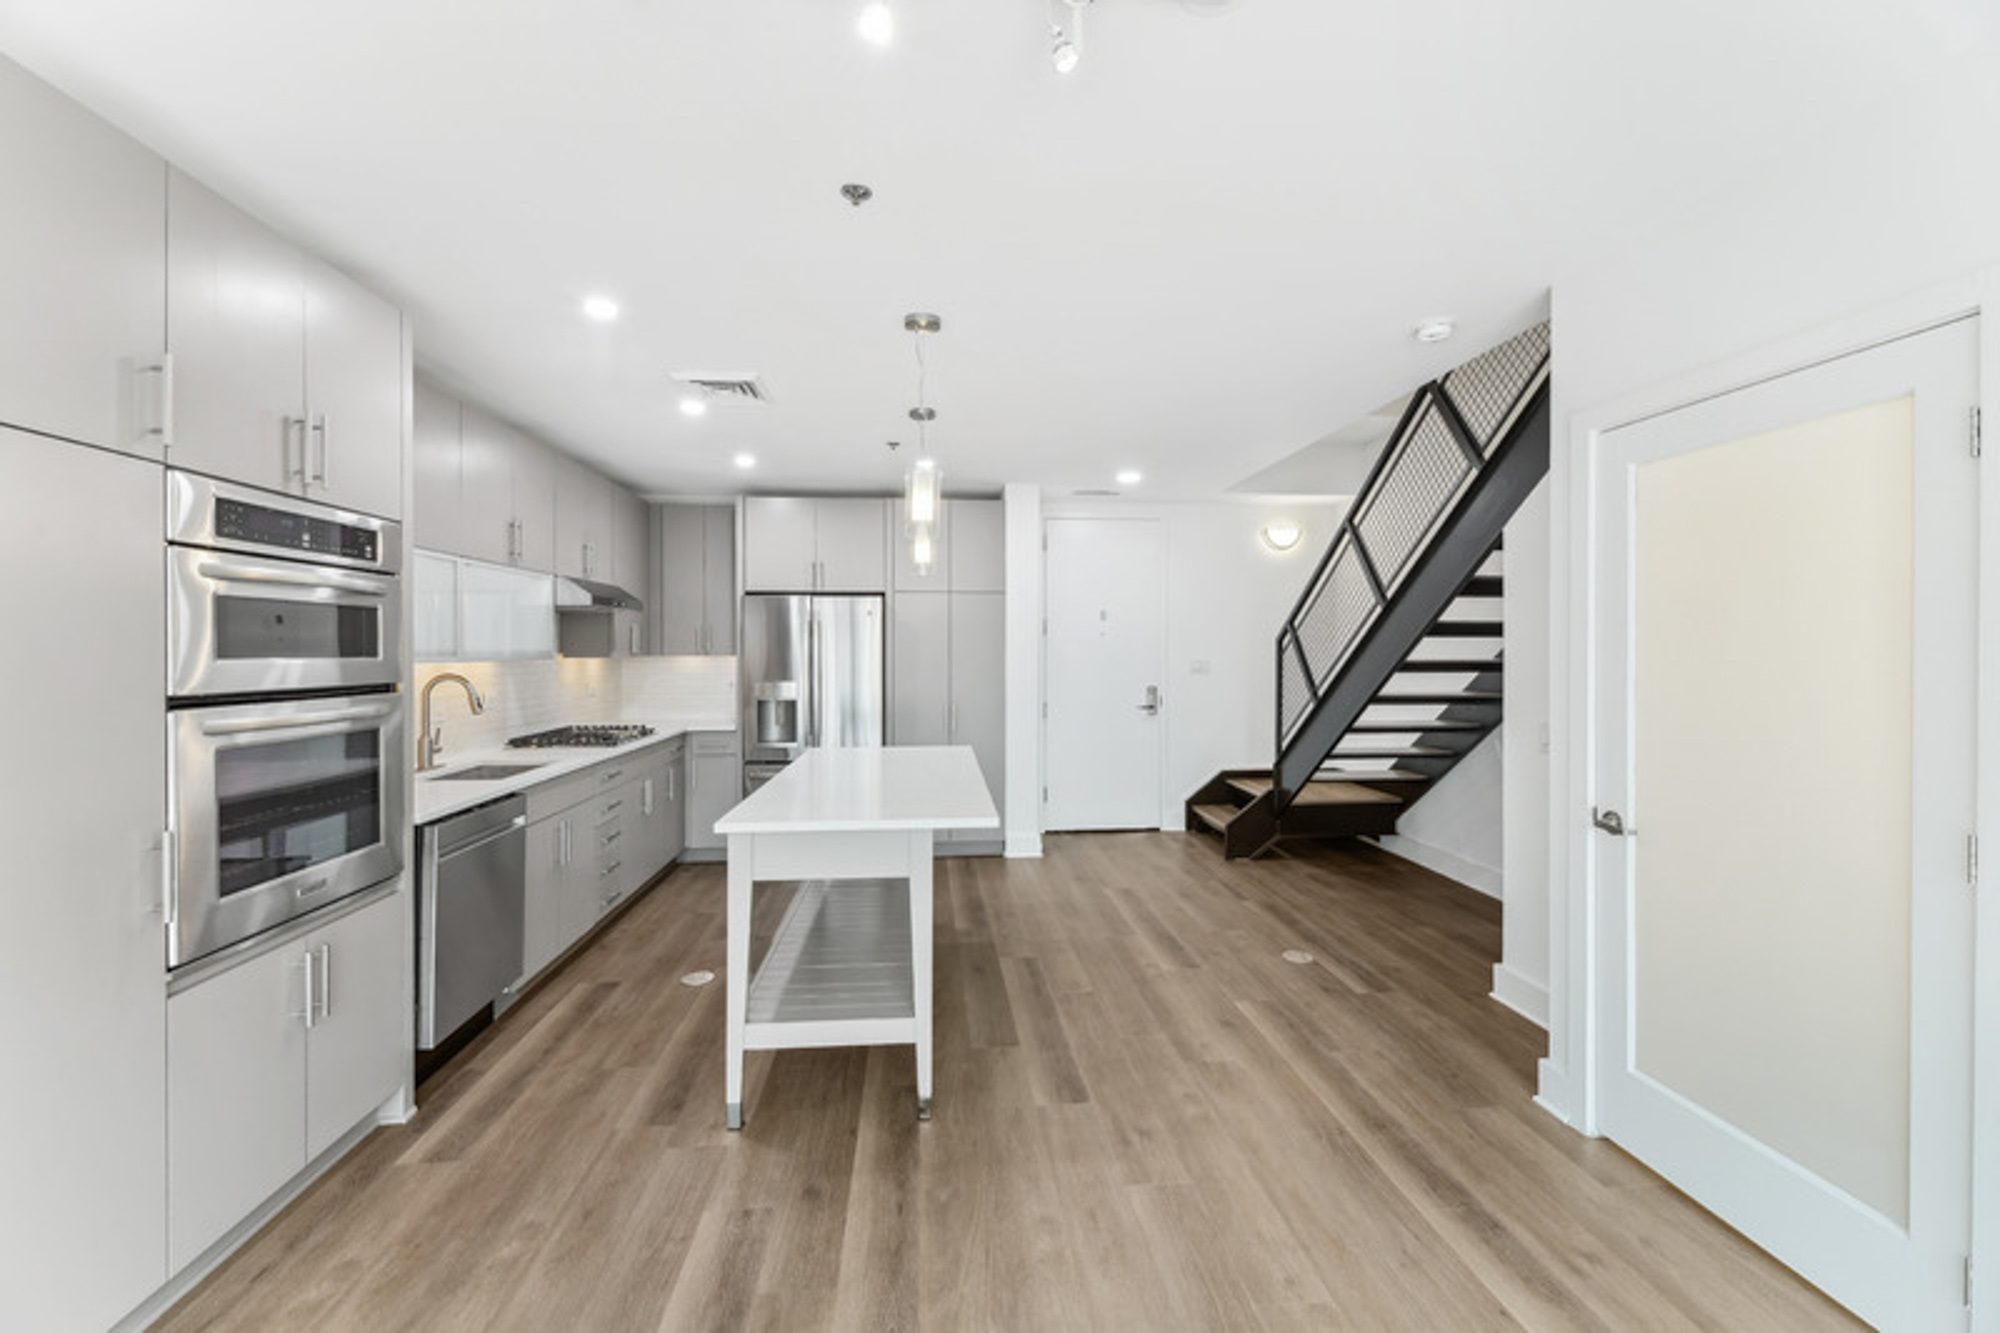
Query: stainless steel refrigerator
<point x="812" y="675"/>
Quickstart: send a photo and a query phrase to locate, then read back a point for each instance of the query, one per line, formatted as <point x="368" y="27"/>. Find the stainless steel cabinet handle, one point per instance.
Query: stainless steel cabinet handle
<point x="169" y="874"/>
<point x="326" y="981"/>
<point x="319" y="431"/>
<point x="646" y="797"/>
<point x="295" y="426"/>
<point x="164" y="368"/>
<point x="562" y="843"/>
<point x="609" y="870"/>
<point x="612" y="776"/>
<point x="310" y="1016"/>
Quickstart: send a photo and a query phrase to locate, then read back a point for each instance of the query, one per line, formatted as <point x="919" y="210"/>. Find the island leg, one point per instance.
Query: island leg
<point x="737" y="973"/>
<point x="922" y="912"/>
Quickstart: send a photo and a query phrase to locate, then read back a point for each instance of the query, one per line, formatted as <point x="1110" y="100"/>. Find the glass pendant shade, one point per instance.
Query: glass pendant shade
<point x="920" y="488"/>
<point x="923" y="547"/>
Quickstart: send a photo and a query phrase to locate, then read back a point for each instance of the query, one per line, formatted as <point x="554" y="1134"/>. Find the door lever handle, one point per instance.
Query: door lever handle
<point x="1151" y="706"/>
<point x="1611" y="822"/>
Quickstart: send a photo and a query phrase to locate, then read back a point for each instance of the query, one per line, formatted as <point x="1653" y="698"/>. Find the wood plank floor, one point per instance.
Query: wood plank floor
<point x="1145" y="1119"/>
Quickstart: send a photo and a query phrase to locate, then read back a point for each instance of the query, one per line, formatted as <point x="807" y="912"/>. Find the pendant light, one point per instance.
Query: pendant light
<point x="923" y="484"/>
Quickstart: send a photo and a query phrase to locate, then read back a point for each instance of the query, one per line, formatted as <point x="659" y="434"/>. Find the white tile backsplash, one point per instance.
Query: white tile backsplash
<point x="534" y="696"/>
<point x="680" y="687"/>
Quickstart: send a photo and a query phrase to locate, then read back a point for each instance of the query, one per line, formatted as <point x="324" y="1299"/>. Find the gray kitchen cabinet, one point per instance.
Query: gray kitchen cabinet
<point x="83" y="262"/>
<point x="664" y="808"/>
<point x="82" y="1001"/>
<point x="715" y="785"/>
<point x="947" y="678"/>
<point x="506" y="494"/>
<point x="287" y="374"/>
<point x="547" y="866"/>
<point x="583" y="521"/>
<point x="628" y="543"/>
<point x="969" y="555"/>
<point x="979" y="693"/>
<point x="274" y="1059"/>
<point x="815" y="545"/>
<point x="437" y="516"/>
<point x="694" y="579"/>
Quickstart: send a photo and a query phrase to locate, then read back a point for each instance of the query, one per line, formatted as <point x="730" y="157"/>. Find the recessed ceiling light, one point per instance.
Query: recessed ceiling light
<point x="1433" y="330"/>
<point x="1130" y="477"/>
<point x="600" y="308"/>
<point x="746" y="461"/>
<point x="694" y="405"/>
<point x="876" y="24"/>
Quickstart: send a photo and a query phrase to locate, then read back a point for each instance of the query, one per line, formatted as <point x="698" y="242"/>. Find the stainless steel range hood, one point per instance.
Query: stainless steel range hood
<point x="573" y="594"/>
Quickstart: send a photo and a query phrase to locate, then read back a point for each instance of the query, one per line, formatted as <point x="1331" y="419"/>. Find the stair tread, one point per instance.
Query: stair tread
<point x="1370" y="775"/>
<point x="1437" y="697"/>
<point x="1429" y="724"/>
<point x="1216" y="817"/>
<point x="1471" y="667"/>
<point x="1319" y="791"/>
<point x="1465" y="629"/>
<point x="1395" y="752"/>
<point x="1483" y="585"/>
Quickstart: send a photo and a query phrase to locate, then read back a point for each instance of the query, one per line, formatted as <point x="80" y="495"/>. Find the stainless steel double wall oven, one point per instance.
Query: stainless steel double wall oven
<point x="286" y="783"/>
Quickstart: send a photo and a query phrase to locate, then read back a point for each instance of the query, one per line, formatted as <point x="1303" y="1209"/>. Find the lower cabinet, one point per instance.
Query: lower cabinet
<point x="272" y="1061"/>
<point x="715" y="785"/>
<point x="594" y="838"/>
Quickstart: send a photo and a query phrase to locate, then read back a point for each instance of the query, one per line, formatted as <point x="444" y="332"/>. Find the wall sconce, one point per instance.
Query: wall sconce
<point x="1280" y="534"/>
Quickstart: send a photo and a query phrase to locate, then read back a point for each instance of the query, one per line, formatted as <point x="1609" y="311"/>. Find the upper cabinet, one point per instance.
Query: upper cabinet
<point x="286" y="373"/>
<point x="818" y="545"/>
<point x="629" y="566"/>
<point x="583" y="521"/>
<point x="694" y="584"/>
<point x="484" y="489"/>
<point x="83" y="266"/>
<point x="970" y="554"/>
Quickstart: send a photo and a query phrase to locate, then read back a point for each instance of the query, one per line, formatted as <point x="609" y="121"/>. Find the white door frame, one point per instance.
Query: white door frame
<point x="1164" y="719"/>
<point x="1570" y="1076"/>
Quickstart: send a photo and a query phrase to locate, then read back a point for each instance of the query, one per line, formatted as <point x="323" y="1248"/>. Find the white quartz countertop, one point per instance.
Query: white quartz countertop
<point x="889" y="787"/>
<point x="439" y="795"/>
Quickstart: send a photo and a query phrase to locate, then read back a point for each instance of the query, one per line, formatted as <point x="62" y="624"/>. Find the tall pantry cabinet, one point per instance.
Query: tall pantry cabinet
<point x="126" y="342"/>
<point x="83" y="1138"/>
<point x="83" y="270"/>
<point x="947" y="657"/>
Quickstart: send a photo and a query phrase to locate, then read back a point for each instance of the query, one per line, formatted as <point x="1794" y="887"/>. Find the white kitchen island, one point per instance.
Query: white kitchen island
<point x="850" y="964"/>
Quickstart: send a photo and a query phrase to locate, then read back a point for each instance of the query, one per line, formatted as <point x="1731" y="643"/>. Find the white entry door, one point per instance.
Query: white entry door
<point x="1106" y="658"/>
<point x="1783" y="697"/>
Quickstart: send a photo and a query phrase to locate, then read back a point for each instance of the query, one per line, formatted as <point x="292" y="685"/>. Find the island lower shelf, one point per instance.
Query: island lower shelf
<point x="838" y="971"/>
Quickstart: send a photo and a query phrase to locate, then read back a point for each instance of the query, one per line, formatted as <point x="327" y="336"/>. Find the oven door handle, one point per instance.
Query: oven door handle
<point x="328" y="722"/>
<point x="222" y="571"/>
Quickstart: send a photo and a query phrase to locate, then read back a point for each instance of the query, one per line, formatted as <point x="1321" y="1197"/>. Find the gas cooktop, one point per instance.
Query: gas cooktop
<point x="589" y="734"/>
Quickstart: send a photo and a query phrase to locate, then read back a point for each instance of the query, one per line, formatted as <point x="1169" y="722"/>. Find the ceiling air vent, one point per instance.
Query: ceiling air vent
<point x="725" y="389"/>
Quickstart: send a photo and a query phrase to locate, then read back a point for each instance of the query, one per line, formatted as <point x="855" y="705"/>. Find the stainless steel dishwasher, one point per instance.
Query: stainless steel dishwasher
<point x="471" y="913"/>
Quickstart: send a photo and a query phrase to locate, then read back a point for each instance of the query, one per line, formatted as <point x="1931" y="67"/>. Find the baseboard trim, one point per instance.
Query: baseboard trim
<point x="1526" y="997"/>
<point x="397" y="1110"/>
<point x="1024" y="846"/>
<point x="1484" y="879"/>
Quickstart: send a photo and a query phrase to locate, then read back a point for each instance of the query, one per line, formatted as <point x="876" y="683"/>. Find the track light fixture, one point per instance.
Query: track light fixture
<point x="1066" y="35"/>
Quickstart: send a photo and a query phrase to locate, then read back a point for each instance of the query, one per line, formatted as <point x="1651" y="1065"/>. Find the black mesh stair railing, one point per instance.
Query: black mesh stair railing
<point x="1469" y="448"/>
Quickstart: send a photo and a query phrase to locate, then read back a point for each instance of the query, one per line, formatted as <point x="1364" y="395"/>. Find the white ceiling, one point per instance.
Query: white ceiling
<point x="1197" y="255"/>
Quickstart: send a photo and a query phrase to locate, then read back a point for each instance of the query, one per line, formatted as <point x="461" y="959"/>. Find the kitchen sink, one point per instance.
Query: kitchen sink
<point x="481" y="773"/>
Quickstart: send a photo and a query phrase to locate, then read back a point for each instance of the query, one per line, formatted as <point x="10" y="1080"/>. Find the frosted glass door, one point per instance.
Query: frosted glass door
<point x="1786" y="687"/>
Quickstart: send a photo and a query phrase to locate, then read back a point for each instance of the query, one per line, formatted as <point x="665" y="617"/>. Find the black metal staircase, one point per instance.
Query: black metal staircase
<point x="1388" y="668"/>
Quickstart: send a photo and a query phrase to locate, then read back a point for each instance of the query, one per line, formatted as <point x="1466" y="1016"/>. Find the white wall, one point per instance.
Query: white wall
<point x="1521" y="977"/>
<point x="1455" y="829"/>
<point x="1880" y="220"/>
<point x="1226" y="596"/>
